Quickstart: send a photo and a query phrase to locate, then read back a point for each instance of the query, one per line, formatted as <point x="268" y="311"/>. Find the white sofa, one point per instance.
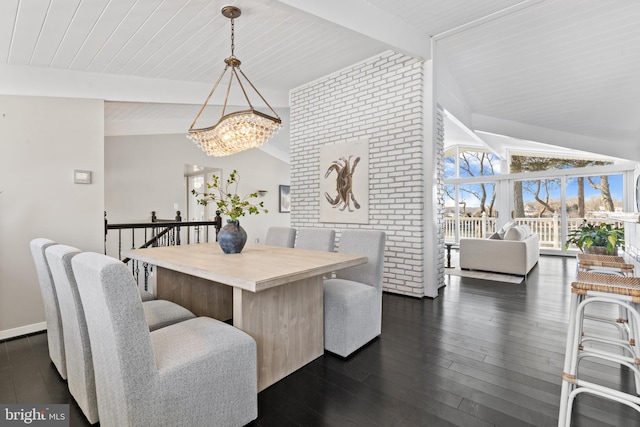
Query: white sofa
<point x="512" y="250"/>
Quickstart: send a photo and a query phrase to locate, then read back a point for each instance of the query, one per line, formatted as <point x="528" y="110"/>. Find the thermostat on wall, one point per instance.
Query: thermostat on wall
<point x="81" y="177"/>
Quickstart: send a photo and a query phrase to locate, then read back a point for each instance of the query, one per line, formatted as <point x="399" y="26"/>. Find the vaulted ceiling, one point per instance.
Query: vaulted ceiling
<point x="562" y="72"/>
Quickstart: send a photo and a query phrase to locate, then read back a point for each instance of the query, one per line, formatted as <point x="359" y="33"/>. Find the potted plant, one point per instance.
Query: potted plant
<point x="600" y="238"/>
<point x="232" y="236"/>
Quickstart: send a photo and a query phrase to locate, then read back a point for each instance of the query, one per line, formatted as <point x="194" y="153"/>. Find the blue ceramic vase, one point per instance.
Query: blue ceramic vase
<point x="232" y="237"/>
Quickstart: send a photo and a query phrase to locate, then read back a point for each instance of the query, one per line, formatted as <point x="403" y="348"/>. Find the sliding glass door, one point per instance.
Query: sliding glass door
<point x="552" y="207"/>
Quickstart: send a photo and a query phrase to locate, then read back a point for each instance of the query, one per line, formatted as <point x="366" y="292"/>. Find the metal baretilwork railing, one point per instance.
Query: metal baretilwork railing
<point x="158" y="232"/>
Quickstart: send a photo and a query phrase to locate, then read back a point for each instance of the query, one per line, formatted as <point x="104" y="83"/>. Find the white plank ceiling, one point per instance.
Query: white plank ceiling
<point x="565" y="72"/>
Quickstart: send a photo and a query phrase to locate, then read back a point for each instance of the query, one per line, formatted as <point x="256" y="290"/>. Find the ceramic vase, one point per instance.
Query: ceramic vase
<point x="232" y="238"/>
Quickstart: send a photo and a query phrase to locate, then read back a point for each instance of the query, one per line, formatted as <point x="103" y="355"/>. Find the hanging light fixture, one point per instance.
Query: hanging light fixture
<point x="239" y="130"/>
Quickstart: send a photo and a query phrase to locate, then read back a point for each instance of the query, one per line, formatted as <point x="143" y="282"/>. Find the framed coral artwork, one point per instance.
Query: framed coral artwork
<point x="344" y="182"/>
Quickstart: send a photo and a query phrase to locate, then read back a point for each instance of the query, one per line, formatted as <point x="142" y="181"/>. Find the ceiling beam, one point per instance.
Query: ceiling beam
<point x="622" y="149"/>
<point x="366" y="19"/>
<point x="179" y="127"/>
<point x="35" y="81"/>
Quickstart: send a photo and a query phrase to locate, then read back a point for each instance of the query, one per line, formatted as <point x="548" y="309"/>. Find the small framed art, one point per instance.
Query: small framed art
<point x="285" y="198"/>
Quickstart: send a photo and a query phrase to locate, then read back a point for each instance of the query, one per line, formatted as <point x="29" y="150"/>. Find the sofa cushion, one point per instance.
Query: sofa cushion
<point x="515" y="233"/>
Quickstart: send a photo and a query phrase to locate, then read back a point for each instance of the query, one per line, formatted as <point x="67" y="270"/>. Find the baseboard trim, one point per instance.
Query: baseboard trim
<point x="22" y="330"/>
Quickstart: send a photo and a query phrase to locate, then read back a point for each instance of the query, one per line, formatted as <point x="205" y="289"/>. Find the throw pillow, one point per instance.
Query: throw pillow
<point x="495" y="236"/>
<point x="506" y="227"/>
<point x="515" y="233"/>
<point x="526" y="228"/>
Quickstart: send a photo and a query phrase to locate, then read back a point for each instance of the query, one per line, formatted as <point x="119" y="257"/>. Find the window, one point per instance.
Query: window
<point x="550" y="194"/>
<point x="464" y="163"/>
<point x="470" y="210"/>
<point x="526" y="163"/>
<point x="592" y="196"/>
<point x="539" y="203"/>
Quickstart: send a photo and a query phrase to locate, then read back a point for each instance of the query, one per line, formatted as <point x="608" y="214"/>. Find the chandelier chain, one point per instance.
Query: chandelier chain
<point x="233" y="41"/>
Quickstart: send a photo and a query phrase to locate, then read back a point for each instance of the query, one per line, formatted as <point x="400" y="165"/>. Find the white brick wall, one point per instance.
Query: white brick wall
<point x="440" y="211"/>
<point x="380" y="99"/>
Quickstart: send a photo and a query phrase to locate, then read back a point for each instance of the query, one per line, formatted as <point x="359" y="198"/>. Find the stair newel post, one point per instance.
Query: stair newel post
<point x="177" y="232"/>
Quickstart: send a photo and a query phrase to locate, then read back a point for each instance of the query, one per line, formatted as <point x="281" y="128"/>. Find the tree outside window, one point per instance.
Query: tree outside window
<point x="540" y="198"/>
<point x="477" y="198"/>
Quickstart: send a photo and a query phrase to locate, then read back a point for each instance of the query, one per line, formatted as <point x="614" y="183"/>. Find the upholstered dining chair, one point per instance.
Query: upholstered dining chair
<point x="200" y="372"/>
<point x="353" y="299"/>
<point x="316" y="239"/>
<point x="51" y="308"/>
<point x="80" y="374"/>
<point x="146" y="295"/>
<point x="280" y="236"/>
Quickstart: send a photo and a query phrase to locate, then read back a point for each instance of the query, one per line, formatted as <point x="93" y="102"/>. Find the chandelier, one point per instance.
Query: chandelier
<point x="239" y="130"/>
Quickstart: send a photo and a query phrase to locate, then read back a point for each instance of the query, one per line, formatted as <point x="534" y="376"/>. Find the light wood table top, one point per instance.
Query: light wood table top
<point x="255" y="269"/>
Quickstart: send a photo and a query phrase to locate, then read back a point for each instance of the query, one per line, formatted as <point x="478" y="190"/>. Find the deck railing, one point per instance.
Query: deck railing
<point x="548" y="229"/>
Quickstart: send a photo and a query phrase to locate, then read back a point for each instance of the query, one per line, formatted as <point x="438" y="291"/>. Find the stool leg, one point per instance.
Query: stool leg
<point x="624" y="319"/>
<point x="564" y="417"/>
<point x="631" y="354"/>
<point x="634" y="338"/>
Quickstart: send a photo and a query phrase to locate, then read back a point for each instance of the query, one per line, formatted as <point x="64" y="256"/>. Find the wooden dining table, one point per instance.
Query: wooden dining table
<point x="274" y="294"/>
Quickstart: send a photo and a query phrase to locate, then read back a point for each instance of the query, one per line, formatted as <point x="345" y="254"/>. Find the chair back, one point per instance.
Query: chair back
<point x="51" y="305"/>
<point x="316" y="239"/>
<point x="281" y="236"/>
<point x="120" y="340"/>
<point x="370" y="244"/>
<point x="80" y="375"/>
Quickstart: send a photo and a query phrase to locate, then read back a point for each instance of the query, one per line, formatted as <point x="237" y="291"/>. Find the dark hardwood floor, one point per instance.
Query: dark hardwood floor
<point x="481" y="354"/>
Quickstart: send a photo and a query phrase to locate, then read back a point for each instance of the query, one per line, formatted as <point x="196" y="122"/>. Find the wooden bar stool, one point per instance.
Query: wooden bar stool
<point x="607" y="264"/>
<point x="623" y="292"/>
<point x="600" y="258"/>
<point x="622" y="321"/>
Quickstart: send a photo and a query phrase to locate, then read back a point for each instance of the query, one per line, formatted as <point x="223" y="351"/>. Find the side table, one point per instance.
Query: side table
<point x="448" y="245"/>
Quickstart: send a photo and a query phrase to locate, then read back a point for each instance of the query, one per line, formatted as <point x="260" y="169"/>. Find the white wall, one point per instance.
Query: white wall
<point x="145" y="173"/>
<point x="382" y="100"/>
<point x="42" y="140"/>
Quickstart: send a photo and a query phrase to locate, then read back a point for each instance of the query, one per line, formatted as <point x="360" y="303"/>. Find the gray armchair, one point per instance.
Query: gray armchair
<point x="51" y="307"/>
<point x="281" y="236"/>
<point x="146" y="295"/>
<point x="316" y="239"/>
<point x="353" y="300"/>
<point x="200" y="372"/>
